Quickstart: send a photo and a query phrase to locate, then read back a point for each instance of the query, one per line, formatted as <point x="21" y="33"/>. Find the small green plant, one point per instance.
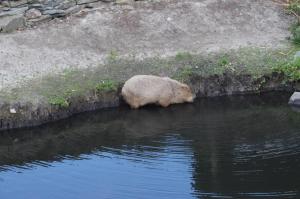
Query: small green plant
<point x="106" y="85"/>
<point x="184" y="74"/>
<point x="180" y="56"/>
<point x="290" y="70"/>
<point x="113" y="56"/>
<point x="59" y="101"/>
<point x="295" y="30"/>
<point x="294" y="7"/>
<point x="223" y="61"/>
<point x="225" y="64"/>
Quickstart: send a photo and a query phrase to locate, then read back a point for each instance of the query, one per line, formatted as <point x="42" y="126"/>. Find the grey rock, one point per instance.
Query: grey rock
<point x="42" y="19"/>
<point x="80" y="2"/>
<point x="6" y="9"/>
<point x="66" y="4"/>
<point x="46" y="8"/>
<point x="35" y="1"/>
<point x="295" y="99"/>
<point x="18" y="3"/>
<point x="33" y="13"/>
<point x="54" y="3"/>
<point x="74" y="9"/>
<point x="124" y="2"/>
<point x="5" y="3"/>
<point x="12" y="23"/>
<point x="36" y="6"/>
<point x="55" y="13"/>
<point x="49" y="3"/>
<point x="14" y="11"/>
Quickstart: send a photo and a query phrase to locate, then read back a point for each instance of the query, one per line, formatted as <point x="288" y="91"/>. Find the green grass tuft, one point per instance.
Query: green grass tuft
<point x="182" y="56"/>
<point x="106" y="85"/>
<point x="59" y="101"/>
<point x="294" y="6"/>
<point x="184" y="74"/>
<point x="295" y="31"/>
<point x="291" y="70"/>
<point x="223" y="61"/>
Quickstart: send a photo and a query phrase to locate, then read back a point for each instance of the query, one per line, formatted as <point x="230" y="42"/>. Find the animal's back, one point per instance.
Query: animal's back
<point x="145" y="85"/>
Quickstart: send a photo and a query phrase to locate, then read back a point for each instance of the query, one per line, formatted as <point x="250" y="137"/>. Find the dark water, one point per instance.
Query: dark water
<point x="239" y="147"/>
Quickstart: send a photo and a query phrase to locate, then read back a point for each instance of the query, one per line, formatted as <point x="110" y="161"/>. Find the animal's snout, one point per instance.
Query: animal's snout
<point x="191" y="99"/>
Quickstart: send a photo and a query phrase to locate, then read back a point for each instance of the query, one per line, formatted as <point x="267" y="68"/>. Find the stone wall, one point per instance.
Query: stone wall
<point x="19" y="14"/>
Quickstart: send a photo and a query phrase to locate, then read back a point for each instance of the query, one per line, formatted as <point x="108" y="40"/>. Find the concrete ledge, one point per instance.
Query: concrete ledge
<point x="29" y="114"/>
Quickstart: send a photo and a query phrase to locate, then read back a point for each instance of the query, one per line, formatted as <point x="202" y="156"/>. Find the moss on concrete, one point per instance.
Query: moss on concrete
<point x="59" y="101"/>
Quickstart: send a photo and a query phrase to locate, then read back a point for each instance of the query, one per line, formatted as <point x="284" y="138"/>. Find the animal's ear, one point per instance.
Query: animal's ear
<point x="187" y="88"/>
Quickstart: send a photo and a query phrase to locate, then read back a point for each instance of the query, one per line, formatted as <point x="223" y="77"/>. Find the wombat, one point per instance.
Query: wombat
<point x="148" y="89"/>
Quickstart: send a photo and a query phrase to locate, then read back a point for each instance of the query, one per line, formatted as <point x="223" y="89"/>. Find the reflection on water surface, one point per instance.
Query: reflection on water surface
<point x="237" y="147"/>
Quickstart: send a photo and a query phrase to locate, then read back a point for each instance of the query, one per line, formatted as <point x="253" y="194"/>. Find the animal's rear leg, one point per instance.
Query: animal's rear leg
<point x="135" y="103"/>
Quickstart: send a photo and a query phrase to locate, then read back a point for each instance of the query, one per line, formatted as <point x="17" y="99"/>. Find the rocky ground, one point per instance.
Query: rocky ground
<point x="140" y="29"/>
<point x="69" y="63"/>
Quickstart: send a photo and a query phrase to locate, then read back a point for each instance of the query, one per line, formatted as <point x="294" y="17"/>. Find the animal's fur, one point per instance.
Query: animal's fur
<point x="148" y="89"/>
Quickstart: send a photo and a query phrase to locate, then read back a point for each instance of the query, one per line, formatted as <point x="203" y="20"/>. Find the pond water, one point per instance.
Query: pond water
<point x="227" y="147"/>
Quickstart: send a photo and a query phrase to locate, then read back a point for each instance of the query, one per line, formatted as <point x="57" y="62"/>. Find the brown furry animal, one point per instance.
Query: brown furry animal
<point x="148" y="89"/>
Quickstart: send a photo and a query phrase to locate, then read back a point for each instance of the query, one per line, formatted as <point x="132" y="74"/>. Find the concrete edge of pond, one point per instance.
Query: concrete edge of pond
<point x="19" y="115"/>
